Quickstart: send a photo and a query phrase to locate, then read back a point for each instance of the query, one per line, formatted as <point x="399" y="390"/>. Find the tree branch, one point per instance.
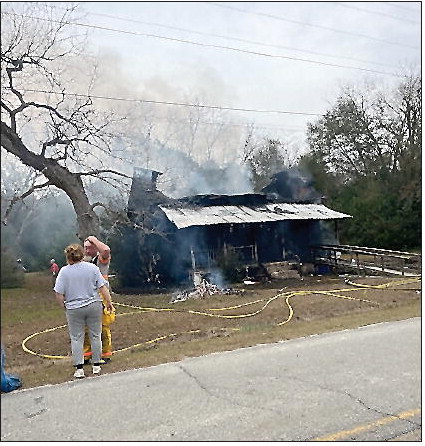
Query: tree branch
<point x="17" y="198"/>
<point x="98" y="171"/>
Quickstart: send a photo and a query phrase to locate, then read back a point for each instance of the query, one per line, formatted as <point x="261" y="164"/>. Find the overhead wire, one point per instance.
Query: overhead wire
<point x="202" y="33"/>
<point x="381" y="14"/>
<point x="327" y="28"/>
<point x="197" y="43"/>
<point x="208" y="45"/>
<point x="181" y="104"/>
<point x="266" y="126"/>
<point x="397" y="5"/>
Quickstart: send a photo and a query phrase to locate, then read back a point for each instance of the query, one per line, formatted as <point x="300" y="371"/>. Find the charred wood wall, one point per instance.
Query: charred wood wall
<point x="161" y="254"/>
<point x="167" y="255"/>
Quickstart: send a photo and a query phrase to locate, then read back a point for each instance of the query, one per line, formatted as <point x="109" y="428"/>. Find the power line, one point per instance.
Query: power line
<point x="239" y="50"/>
<point x="262" y="14"/>
<point x="399" y="7"/>
<point x="128" y="19"/>
<point x="382" y="14"/>
<point x="266" y="126"/>
<point x="181" y="104"/>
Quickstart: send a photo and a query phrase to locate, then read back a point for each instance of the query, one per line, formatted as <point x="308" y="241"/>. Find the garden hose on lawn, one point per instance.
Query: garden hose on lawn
<point x="287" y="295"/>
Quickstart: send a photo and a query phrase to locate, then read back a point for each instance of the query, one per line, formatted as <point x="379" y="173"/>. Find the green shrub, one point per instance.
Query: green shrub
<point x="12" y="275"/>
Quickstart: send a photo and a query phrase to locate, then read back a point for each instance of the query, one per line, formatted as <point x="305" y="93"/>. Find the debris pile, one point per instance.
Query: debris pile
<point x="204" y="289"/>
<point x="284" y="270"/>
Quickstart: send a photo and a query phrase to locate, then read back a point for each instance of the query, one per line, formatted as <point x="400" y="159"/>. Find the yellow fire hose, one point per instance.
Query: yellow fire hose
<point x="287" y="295"/>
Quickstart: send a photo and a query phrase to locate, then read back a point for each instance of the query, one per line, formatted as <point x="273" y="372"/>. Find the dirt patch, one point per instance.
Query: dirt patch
<point x="150" y="330"/>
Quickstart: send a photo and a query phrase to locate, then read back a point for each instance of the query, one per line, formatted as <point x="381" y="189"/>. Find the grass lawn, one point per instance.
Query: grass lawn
<point x="149" y="330"/>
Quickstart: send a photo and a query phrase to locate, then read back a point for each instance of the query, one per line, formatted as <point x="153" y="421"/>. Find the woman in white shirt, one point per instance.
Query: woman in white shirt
<point x="77" y="288"/>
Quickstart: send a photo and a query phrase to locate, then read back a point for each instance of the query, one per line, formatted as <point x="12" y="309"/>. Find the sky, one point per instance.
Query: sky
<point x="274" y="65"/>
<point x="277" y="58"/>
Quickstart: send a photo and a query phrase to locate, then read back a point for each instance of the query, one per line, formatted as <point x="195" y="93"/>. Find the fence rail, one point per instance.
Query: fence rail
<point x="364" y="259"/>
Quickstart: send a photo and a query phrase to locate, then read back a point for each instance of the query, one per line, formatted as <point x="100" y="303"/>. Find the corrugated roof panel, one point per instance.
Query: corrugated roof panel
<point x="245" y="214"/>
<point x="212" y="215"/>
<point x="227" y="214"/>
<point x="294" y="211"/>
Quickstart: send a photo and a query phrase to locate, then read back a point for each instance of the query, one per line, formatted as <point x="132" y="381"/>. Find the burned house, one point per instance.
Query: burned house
<point x="202" y="232"/>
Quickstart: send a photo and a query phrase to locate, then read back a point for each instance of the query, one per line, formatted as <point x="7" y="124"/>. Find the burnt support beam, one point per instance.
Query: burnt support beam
<point x="336" y="232"/>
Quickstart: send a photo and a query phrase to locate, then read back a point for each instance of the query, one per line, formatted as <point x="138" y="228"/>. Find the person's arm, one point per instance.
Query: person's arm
<point x="103" y="249"/>
<point x="107" y="297"/>
<point x="60" y="298"/>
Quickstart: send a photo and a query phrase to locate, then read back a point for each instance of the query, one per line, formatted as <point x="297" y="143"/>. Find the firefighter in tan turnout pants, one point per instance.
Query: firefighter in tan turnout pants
<point x="99" y="253"/>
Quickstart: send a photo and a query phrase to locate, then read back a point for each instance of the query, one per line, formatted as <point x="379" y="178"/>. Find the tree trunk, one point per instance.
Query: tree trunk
<point x="61" y="177"/>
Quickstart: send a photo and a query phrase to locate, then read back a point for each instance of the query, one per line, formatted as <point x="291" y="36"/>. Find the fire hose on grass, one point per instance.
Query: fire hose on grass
<point x="287" y="295"/>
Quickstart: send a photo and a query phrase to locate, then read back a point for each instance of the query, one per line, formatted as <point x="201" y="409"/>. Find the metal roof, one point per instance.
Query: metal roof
<point x="184" y="217"/>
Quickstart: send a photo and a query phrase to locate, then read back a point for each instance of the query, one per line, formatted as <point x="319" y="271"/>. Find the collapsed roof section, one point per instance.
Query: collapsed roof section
<point x="186" y="216"/>
<point x="294" y="199"/>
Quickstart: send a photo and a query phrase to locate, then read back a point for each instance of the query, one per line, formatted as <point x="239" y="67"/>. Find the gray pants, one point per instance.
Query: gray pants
<point x="78" y="318"/>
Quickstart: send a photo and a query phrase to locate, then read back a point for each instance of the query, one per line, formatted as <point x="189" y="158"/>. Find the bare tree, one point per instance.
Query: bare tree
<point x="58" y="134"/>
<point x="16" y="177"/>
<point x="249" y="144"/>
<point x="194" y="117"/>
<point x="215" y="130"/>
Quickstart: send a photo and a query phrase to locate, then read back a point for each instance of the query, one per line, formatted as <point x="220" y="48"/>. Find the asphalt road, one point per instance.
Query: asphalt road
<point x="362" y="384"/>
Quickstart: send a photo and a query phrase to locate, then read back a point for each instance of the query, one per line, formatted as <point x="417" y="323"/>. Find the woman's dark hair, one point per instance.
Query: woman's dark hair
<point x="74" y="253"/>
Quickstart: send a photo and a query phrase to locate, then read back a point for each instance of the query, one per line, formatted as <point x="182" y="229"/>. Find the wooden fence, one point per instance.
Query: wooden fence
<point x="367" y="260"/>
